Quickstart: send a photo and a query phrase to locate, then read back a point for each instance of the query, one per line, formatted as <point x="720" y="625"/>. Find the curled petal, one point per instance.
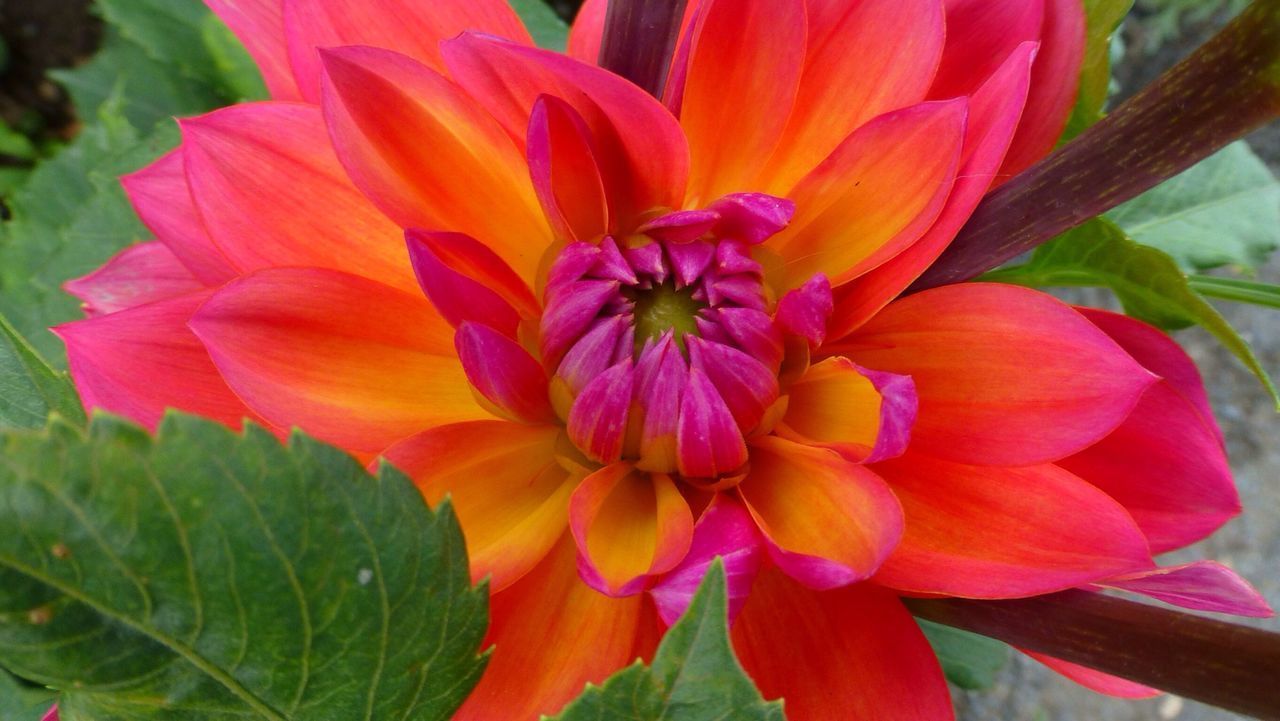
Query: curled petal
<point x="1005" y="375"/>
<point x="988" y="532"/>
<point x="137" y="275"/>
<point x="725" y="531"/>
<point x="504" y="373"/>
<point x="459" y="298"/>
<point x="1199" y="586"/>
<point x="565" y="173"/>
<point x="629" y="526"/>
<point x="865" y="416"/>
<point x="662" y="375"/>
<point x="510" y="494"/>
<point x="747" y="386"/>
<point x="806" y="310"/>
<point x="752" y="218"/>
<point x="829" y="522"/>
<point x="599" y="418"/>
<point x="708" y="442"/>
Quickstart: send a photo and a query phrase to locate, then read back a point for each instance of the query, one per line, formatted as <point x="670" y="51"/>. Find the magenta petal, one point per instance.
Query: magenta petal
<point x="899" y="404"/>
<point x="747" y="386"/>
<point x="661" y="375"/>
<point x="806" y="310"/>
<point x="570" y="311"/>
<point x="504" y="373"/>
<point x="754" y="332"/>
<point x="648" y="259"/>
<point x="1200" y="586"/>
<point x="681" y="226"/>
<point x="594" y="353"/>
<point x="599" y="417"/>
<point x="733" y="257"/>
<point x="690" y="261"/>
<point x="137" y="275"/>
<point x="612" y="265"/>
<point x="752" y="217"/>
<point x="52" y="714"/>
<point x="725" y="531"/>
<point x="458" y="298"/>
<point x="708" y="441"/>
<point x="740" y="290"/>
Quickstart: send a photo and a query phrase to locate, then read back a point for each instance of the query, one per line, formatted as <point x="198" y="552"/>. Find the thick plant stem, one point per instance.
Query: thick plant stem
<point x="639" y="39"/>
<point x="1230" y="666"/>
<point x="1226" y="88"/>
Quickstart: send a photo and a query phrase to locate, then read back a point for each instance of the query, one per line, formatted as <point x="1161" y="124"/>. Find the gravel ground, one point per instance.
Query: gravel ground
<point x="1027" y="691"/>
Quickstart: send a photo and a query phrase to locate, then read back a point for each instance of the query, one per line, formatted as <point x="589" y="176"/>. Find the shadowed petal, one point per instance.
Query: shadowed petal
<point x="565" y="172"/>
<point x="510" y="494"/>
<point x="504" y="373"/>
<point x="458" y="297"/>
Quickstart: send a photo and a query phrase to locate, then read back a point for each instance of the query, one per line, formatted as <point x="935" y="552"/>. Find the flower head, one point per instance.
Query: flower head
<point x="629" y="336"/>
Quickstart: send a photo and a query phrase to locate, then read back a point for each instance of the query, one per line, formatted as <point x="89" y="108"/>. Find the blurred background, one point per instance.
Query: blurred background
<point x="44" y="108"/>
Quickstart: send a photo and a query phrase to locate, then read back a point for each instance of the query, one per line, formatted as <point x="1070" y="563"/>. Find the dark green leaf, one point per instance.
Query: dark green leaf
<point x="1103" y="18"/>
<point x="970" y="661"/>
<point x="694" y="676"/>
<point x="29" y="389"/>
<point x="547" y="29"/>
<point x="1147" y="282"/>
<point x="20" y="701"/>
<point x="70" y="217"/>
<point x="1241" y="291"/>
<point x="1225" y="210"/>
<point x="208" y="575"/>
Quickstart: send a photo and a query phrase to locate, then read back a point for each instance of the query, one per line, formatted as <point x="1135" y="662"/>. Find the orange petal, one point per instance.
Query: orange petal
<point x="988" y="532"/>
<point x="272" y="193"/>
<point x="829" y="522"/>
<point x="350" y="361"/>
<point x="587" y="34"/>
<point x="853" y="654"/>
<point x="511" y="496"/>
<point x="862" y="415"/>
<point x="423" y="151"/>
<point x="1005" y="375"/>
<point x="864" y="59"/>
<point x="742" y="81"/>
<point x="875" y="195"/>
<point x="415" y="29"/>
<point x="629" y="526"/>
<point x="553" y="635"/>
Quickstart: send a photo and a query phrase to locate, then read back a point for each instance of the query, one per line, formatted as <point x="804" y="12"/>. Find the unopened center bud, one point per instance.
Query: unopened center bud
<point x="664" y="308"/>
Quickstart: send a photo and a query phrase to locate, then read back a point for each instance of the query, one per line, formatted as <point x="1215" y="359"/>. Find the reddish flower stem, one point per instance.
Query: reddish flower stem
<point x="1230" y="666"/>
<point x="639" y="39"/>
<point x="1226" y="88"/>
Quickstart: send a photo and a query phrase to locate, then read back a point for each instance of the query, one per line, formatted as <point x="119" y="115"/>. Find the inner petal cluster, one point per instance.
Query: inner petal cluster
<point x="666" y="352"/>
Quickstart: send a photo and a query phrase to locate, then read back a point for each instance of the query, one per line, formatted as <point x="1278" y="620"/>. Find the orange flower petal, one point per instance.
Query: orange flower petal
<point x="829" y="522"/>
<point x="423" y="151"/>
<point x="351" y="361"/>
<point x="875" y="195"/>
<point x="988" y="532"/>
<point x="510" y="494"/>
<point x="853" y="654"/>
<point x="552" y="635"/>
<point x="743" y="75"/>
<point x="272" y="193"/>
<point x="862" y="415"/>
<point x="629" y="526"/>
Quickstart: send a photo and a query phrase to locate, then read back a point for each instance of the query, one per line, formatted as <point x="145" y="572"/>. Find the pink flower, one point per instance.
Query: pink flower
<point x="627" y="337"/>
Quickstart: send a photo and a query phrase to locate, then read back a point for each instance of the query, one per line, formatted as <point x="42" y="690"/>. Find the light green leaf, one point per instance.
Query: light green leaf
<point x="69" y="218"/>
<point x="547" y="29"/>
<point x="1147" y="282"/>
<point x="1225" y="210"/>
<point x="29" y="389"/>
<point x="1103" y="18"/>
<point x="20" y="702"/>
<point x="206" y="575"/>
<point x="1241" y="291"/>
<point x="970" y="661"/>
<point x="694" y="676"/>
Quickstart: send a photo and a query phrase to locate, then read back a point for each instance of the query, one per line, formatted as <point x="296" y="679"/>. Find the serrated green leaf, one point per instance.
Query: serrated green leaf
<point x="1223" y="211"/>
<point x="694" y="676"/>
<point x="970" y="661"/>
<point x="1148" y="283"/>
<point x="69" y="218"/>
<point x="21" y="702"/>
<point x="1240" y="291"/>
<point x="207" y="575"/>
<point x="1103" y="18"/>
<point x="29" y="389"/>
<point x="547" y="29"/>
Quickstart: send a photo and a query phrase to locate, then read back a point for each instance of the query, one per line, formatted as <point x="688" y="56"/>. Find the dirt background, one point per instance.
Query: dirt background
<point x="41" y="34"/>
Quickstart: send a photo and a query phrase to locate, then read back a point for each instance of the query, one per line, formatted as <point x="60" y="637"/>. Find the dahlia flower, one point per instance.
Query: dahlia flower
<point x="628" y="335"/>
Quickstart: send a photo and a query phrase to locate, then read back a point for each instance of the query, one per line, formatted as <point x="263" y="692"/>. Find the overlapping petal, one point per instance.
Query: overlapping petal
<point x="854" y="653"/>
<point x="1005" y="375"/>
<point x="347" y="359"/>
<point x="510" y="493"/>
<point x="137" y="275"/>
<point x="863" y="415"/>
<point x="260" y="26"/>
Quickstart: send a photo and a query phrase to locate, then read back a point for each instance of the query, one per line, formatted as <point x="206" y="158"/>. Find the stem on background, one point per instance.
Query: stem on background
<point x="1227" y="665"/>
<point x="639" y="39"/>
<point x="1240" y="291"/>
<point x="1226" y="88"/>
